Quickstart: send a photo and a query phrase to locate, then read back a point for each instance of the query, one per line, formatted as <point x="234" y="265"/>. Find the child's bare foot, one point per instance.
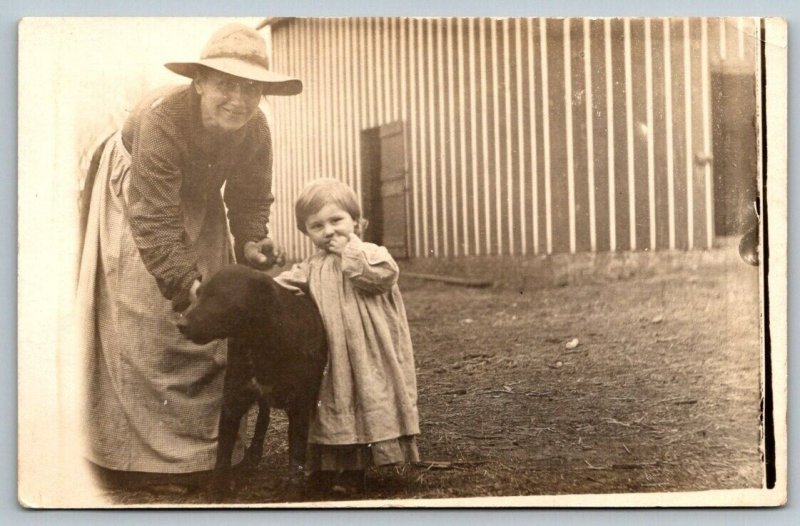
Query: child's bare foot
<point x="350" y="482"/>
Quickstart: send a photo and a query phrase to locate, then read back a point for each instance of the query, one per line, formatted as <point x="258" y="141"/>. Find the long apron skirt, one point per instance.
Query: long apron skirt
<point x="154" y="397"/>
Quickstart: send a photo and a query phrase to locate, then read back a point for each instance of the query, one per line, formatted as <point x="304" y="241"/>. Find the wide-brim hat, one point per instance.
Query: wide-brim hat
<point x="240" y="51"/>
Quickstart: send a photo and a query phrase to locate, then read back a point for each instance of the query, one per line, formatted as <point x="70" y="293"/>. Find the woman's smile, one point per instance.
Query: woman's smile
<point x="227" y="102"/>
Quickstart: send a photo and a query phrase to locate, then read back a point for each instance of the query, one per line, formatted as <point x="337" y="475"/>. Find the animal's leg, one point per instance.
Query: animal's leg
<point x="236" y="399"/>
<point x="256" y="449"/>
<point x="229" y="420"/>
<point x="298" y="438"/>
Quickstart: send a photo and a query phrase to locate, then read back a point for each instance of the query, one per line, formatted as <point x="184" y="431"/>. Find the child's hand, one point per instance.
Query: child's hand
<point x="337" y="244"/>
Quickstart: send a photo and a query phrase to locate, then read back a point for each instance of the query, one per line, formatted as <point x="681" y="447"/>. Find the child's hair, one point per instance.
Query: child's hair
<point x="320" y="192"/>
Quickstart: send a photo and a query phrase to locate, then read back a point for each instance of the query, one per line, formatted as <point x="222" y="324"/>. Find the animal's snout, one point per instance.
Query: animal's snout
<point x="194" y="329"/>
<point x="184" y="325"/>
<point x="185" y="329"/>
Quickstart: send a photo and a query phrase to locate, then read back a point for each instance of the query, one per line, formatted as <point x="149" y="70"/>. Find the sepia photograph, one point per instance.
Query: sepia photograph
<point x="402" y="261"/>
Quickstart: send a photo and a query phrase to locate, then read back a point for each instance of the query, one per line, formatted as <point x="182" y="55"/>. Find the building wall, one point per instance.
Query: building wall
<point x="524" y="136"/>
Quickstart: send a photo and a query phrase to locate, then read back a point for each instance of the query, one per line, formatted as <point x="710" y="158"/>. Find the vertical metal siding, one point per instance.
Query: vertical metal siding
<point x="439" y="198"/>
<point x="510" y="80"/>
<point x="589" y="132"/>
<point x="695" y="188"/>
<point x="520" y="130"/>
<point x="452" y="141"/>
<point x="546" y="110"/>
<point x="640" y="195"/>
<point x="603" y="94"/>
<point x="414" y="133"/>
<point x="581" y="196"/>
<point x="524" y="136"/>
<point x="471" y="23"/>
<point x="485" y="226"/>
<point x="658" y="159"/>
<point x="570" y="150"/>
<point x="559" y="157"/>
<point x="650" y="131"/>
<point x="495" y="219"/>
<point x="706" y="84"/>
<point x="462" y="136"/>
<point x="618" y="133"/>
<point x="631" y="157"/>
<point x="669" y="125"/>
<point x="533" y="143"/>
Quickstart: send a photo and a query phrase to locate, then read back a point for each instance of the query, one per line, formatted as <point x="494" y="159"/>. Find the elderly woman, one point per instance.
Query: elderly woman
<point x="156" y="228"/>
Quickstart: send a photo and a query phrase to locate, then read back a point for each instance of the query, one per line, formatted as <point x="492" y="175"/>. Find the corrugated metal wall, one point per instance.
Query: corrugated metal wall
<point x="525" y="136"/>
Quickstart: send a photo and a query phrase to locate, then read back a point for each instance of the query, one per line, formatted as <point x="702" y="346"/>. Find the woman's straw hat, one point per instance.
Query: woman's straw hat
<point x="240" y="51"/>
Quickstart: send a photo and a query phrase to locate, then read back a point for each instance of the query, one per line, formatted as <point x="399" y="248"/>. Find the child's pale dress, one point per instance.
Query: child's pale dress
<point x="367" y="409"/>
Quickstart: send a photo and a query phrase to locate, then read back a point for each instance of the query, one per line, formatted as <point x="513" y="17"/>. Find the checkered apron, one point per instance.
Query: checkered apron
<point x="154" y="398"/>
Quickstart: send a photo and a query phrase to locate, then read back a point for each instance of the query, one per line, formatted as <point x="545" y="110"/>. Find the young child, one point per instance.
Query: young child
<point x="367" y="409"/>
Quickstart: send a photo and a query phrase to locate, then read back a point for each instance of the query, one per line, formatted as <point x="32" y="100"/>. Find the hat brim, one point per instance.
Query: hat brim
<point x="274" y="83"/>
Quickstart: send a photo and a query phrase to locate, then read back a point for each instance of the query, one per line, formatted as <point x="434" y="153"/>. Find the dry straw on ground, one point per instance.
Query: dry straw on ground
<point x="661" y="394"/>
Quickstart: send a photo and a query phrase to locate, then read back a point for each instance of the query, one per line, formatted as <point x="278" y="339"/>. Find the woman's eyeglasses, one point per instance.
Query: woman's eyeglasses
<point x="227" y="85"/>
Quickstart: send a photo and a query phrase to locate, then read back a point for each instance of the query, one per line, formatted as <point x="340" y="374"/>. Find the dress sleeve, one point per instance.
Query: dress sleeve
<point x="295" y="279"/>
<point x="248" y="191"/>
<point x="369" y="267"/>
<point x="155" y="211"/>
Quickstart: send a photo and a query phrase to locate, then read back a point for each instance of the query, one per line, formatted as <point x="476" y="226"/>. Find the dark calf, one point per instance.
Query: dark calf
<point x="276" y="354"/>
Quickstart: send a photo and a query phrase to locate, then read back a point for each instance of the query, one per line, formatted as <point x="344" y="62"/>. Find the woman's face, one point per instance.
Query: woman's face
<point x="327" y="224"/>
<point x="226" y="102"/>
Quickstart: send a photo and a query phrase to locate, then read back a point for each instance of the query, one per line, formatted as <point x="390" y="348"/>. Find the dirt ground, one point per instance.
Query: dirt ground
<point x="661" y="392"/>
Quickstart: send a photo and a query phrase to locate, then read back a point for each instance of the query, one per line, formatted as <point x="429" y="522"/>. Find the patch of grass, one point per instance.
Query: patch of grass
<point x="660" y="394"/>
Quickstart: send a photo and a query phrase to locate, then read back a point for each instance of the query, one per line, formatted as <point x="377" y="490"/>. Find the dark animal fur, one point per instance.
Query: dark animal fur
<point x="276" y="354"/>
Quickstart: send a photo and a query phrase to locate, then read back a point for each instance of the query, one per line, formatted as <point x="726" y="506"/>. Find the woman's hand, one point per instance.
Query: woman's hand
<point x="184" y="299"/>
<point x="264" y="254"/>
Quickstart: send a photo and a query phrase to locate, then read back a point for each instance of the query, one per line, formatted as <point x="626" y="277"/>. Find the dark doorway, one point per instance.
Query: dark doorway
<point x="385" y="187"/>
<point x="735" y="154"/>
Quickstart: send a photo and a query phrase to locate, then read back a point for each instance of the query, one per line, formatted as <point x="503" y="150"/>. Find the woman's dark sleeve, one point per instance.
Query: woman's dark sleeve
<point x="155" y="211"/>
<point x="248" y="190"/>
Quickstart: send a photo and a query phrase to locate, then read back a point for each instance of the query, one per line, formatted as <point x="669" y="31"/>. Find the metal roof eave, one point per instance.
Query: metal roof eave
<point x="273" y="21"/>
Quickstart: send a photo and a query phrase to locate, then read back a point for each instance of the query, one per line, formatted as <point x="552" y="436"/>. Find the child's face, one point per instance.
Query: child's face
<point x="330" y="227"/>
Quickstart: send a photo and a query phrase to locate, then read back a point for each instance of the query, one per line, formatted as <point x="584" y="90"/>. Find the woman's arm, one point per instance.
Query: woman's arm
<point x="248" y="191"/>
<point x="369" y="267"/>
<point x="155" y="211"/>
